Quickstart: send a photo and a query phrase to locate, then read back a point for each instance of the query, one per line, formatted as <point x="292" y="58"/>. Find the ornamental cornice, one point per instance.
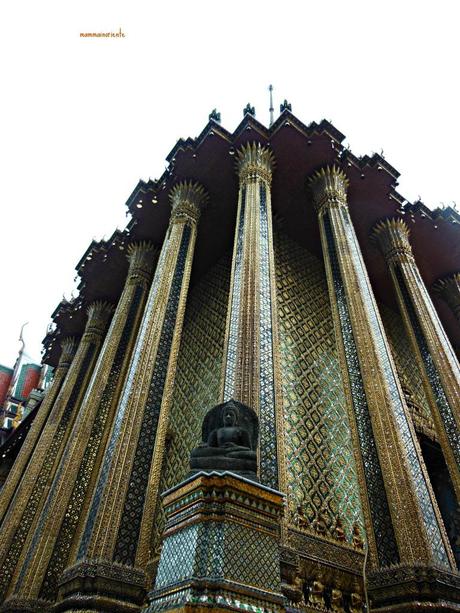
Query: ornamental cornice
<point x="391" y="236"/>
<point x="187" y="198"/>
<point x="255" y="161"/>
<point x="329" y="188"/>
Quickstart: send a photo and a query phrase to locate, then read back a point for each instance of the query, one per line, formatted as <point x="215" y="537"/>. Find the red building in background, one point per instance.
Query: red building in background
<point x="6" y="375"/>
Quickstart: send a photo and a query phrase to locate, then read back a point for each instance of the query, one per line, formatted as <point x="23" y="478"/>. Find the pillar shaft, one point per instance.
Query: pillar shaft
<point x="403" y="524"/>
<point x="49" y="550"/>
<point x="429" y="340"/>
<point x="31" y="493"/>
<point x="251" y="373"/>
<point x="69" y="347"/>
<point x="119" y="521"/>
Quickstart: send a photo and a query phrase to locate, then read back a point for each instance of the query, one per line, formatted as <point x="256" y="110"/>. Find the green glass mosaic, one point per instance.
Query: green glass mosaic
<point x="198" y="377"/>
<point x="320" y="462"/>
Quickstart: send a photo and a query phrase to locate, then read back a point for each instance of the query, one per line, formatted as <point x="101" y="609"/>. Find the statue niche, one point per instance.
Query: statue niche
<point x="229" y="441"/>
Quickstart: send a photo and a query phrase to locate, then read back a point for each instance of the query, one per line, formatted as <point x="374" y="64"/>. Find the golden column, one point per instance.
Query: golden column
<point x="48" y="551"/>
<point x="429" y="340"/>
<point x="31" y="492"/>
<point x="449" y="290"/>
<point x="69" y="347"/>
<point x="115" y="545"/>
<point x="403" y="523"/>
<point x="250" y="370"/>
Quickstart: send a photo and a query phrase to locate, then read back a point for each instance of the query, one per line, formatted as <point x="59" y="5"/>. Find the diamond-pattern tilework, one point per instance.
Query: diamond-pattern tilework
<point x="267" y="418"/>
<point x="198" y="375"/>
<point x="250" y="557"/>
<point x="320" y="462"/>
<point x="178" y="557"/>
<point x="407" y="367"/>
<point x="218" y="550"/>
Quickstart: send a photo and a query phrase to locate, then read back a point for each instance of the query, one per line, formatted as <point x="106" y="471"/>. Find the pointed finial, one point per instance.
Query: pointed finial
<point x="285" y="106"/>
<point x="249" y="110"/>
<point x="214" y="115"/>
<point x="270" y="89"/>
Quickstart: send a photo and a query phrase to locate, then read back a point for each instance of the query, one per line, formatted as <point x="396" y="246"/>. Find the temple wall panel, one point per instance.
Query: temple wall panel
<point x="320" y="463"/>
<point x="199" y="371"/>
<point x="408" y="371"/>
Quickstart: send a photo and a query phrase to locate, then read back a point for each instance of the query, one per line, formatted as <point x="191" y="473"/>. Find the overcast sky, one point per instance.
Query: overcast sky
<point x="83" y="119"/>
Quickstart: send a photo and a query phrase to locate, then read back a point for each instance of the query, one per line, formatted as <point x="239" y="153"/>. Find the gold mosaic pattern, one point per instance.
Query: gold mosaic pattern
<point x="199" y="369"/>
<point x="408" y="371"/>
<point x="320" y="462"/>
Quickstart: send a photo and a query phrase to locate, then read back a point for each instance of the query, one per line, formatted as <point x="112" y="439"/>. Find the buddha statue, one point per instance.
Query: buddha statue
<point x="229" y="441"/>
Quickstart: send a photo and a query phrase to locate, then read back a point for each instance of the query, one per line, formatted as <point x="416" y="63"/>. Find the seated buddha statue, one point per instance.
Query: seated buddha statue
<point x="229" y="441"/>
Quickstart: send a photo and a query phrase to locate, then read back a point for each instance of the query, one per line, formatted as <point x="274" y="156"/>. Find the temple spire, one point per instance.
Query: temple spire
<point x="271" y="109"/>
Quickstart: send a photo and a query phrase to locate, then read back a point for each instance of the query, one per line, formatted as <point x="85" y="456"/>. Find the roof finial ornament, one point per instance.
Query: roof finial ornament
<point x="249" y="110"/>
<point x="271" y="109"/>
<point x="214" y="114"/>
<point x="285" y="106"/>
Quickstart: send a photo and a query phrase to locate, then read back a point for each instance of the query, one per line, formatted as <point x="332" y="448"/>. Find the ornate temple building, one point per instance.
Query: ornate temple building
<point x="256" y="398"/>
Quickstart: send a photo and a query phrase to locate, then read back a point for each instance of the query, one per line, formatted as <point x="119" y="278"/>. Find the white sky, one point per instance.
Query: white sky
<point x="83" y="119"/>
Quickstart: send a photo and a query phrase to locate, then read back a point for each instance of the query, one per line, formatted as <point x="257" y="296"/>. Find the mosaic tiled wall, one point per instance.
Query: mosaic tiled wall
<point x="408" y="370"/>
<point x="199" y="370"/>
<point x="320" y="463"/>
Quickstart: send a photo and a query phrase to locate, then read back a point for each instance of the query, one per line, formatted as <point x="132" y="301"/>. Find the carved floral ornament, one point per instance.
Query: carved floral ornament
<point x="329" y="188"/>
<point x="255" y="161"/>
<point x="187" y="198"/>
<point x="391" y="236"/>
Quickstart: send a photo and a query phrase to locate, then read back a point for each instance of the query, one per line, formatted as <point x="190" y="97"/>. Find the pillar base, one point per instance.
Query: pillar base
<point x="402" y="589"/>
<point x="220" y="547"/>
<point x="101" y="586"/>
<point x="25" y="605"/>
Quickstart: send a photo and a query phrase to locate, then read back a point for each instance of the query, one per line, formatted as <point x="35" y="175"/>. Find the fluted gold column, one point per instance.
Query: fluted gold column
<point x="250" y="371"/>
<point x="449" y="290"/>
<point x="430" y="343"/>
<point x="115" y="544"/>
<point x="49" y="549"/>
<point x="30" y="495"/>
<point x="69" y="348"/>
<point x="403" y="523"/>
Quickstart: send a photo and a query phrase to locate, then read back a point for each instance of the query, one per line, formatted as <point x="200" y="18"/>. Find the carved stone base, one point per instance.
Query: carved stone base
<point x="220" y="547"/>
<point x="23" y="605"/>
<point x="405" y="589"/>
<point x="102" y="586"/>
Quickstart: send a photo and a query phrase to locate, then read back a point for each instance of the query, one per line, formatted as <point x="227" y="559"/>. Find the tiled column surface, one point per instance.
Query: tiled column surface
<point x="251" y="373"/>
<point x="31" y="492"/>
<point x="449" y="290"/>
<point x="49" y="549"/>
<point x="403" y="523"/>
<point x="115" y="543"/>
<point x="69" y="347"/>
<point x="430" y="343"/>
